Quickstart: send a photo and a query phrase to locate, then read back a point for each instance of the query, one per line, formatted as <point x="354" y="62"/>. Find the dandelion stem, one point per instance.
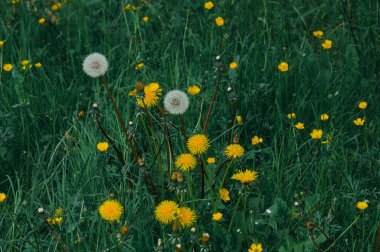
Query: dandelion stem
<point x="234" y="213"/>
<point x="232" y="121"/>
<point x="56" y="237"/>
<point x="183" y="129"/>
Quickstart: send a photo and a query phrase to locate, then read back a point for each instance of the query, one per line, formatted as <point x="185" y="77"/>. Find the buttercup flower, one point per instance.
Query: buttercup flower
<point x="198" y="144"/>
<point x="152" y="92"/>
<point x="167" y="211"/>
<point x="186" y="162"/>
<point x="299" y="126"/>
<point x="318" y="34"/>
<point x="139" y="66"/>
<point x="38" y="65"/>
<point x="211" y="160"/>
<point x="2" y="43"/>
<point x="209" y="5"/>
<point x="8" y="67"/>
<point x="316" y="134"/>
<point x="217" y="216"/>
<point x="145" y="19"/>
<point x="255" y="247"/>
<point x="234" y="151"/>
<point x="233" y="65"/>
<point x="42" y="21"/>
<point x="324" y="117"/>
<point x="292" y="116"/>
<point x="256" y="140"/>
<point x="245" y="177"/>
<point x="283" y="67"/>
<point x="102" y="146"/>
<point x="224" y="194"/>
<point x="193" y="90"/>
<point x="127" y="7"/>
<point x="359" y="121"/>
<point x="219" y="21"/>
<point x="363" y="105"/>
<point x="186" y="217"/>
<point x="362" y="205"/>
<point x="111" y="210"/>
<point x="327" y="44"/>
<point x="176" y="102"/>
<point x="95" y="65"/>
<point x="239" y="119"/>
<point x="3" y="197"/>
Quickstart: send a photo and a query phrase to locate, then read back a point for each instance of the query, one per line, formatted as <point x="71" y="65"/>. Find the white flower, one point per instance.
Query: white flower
<point x="41" y="210"/>
<point x="176" y="102"/>
<point x="95" y="65"/>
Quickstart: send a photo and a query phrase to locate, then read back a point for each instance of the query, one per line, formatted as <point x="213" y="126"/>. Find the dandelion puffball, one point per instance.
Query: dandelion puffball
<point x="176" y="102"/>
<point x="95" y="65"/>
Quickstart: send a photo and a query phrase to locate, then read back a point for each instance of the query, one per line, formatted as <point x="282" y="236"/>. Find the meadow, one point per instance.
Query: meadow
<point x="189" y="125"/>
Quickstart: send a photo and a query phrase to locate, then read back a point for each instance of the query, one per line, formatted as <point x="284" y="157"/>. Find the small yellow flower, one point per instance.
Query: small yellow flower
<point x="359" y="122"/>
<point x="316" y="134"/>
<point x="219" y="21"/>
<point x="324" y="117"/>
<point x="167" y="211"/>
<point x="363" y="105"/>
<point x="102" y="146"/>
<point x="209" y="5"/>
<point x="146" y="19"/>
<point x="152" y="92"/>
<point x="38" y="65"/>
<point x="42" y="21"/>
<point x="233" y="65"/>
<point x="81" y="113"/>
<point x="59" y="211"/>
<point x="127" y="7"/>
<point x="217" y="216"/>
<point x="139" y="66"/>
<point x="111" y="210"/>
<point x="283" y="66"/>
<point x="198" y="144"/>
<point x="2" y="43"/>
<point x="3" y="197"/>
<point x="292" y="116"/>
<point x="327" y="44"/>
<point x="224" y="194"/>
<point x="58" y="220"/>
<point x="15" y="1"/>
<point x="186" y="217"/>
<point x="186" y="162"/>
<point x="362" y="205"/>
<point x="135" y="8"/>
<point x="239" y="120"/>
<point x="124" y="230"/>
<point x="193" y="90"/>
<point x="256" y="140"/>
<point x="56" y="6"/>
<point x="24" y="62"/>
<point x="234" y="151"/>
<point x="211" y="160"/>
<point x="299" y="126"/>
<point x="245" y="177"/>
<point x="8" y="67"/>
<point x="318" y="34"/>
<point x="133" y="92"/>
<point x="255" y="247"/>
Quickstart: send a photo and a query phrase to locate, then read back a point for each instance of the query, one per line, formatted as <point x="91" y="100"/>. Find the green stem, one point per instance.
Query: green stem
<point x="234" y="213"/>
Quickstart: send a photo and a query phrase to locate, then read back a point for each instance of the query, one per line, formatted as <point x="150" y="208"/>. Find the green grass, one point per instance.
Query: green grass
<point x="48" y="154"/>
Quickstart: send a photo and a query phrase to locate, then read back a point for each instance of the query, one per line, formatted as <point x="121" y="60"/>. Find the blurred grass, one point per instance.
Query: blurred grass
<point x="42" y="166"/>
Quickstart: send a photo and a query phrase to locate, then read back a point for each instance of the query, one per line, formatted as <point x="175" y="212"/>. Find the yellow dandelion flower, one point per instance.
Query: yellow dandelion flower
<point x="255" y="247"/>
<point x="58" y="212"/>
<point x="2" y="43"/>
<point x="3" y="197"/>
<point x="42" y="21"/>
<point x="127" y="7"/>
<point x="133" y="92"/>
<point x="318" y="34"/>
<point x="224" y="194"/>
<point x="239" y="119"/>
<point x="219" y="21"/>
<point x="102" y="146"/>
<point x="283" y="67"/>
<point x="324" y="117"/>
<point x="245" y="177"/>
<point x="359" y="122"/>
<point x="8" y="67"/>
<point x="327" y="44"/>
<point x="186" y="217"/>
<point x="363" y="105"/>
<point x="316" y="134"/>
<point x="167" y="211"/>
<point x="139" y="66"/>
<point x="186" y="162"/>
<point x="217" y="216"/>
<point x="234" y="151"/>
<point x="233" y="65"/>
<point x="38" y="65"/>
<point x="209" y="5"/>
<point x="211" y="160"/>
<point x="146" y="19"/>
<point x="81" y="113"/>
<point x="198" y="144"/>
<point x="58" y="220"/>
<point x="193" y="90"/>
<point x="256" y="140"/>
<point x="135" y="8"/>
<point x="299" y="126"/>
<point x="111" y="210"/>
<point x="152" y="92"/>
<point x="292" y="116"/>
<point x="362" y="205"/>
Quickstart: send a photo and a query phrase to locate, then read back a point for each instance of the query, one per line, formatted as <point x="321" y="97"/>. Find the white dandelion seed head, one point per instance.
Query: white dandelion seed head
<point x="41" y="210"/>
<point x="176" y="102"/>
<point x="268" y="211"/>
<point x="95" y="65"/>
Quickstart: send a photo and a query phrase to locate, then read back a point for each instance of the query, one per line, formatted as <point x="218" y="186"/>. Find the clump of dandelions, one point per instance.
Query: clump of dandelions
<point x="95" y="65"/>
<point x="176" y="102"/>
